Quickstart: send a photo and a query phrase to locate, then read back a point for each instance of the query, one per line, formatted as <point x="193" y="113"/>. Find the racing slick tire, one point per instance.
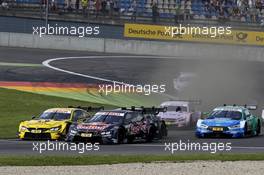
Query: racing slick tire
<point x="163" y="129"/>
<point x="120" y="136"/>
<point x="190" y="124"/>
<point x="151" y="134"/>
<point x="130" y="139"/>
<point x="192" y="121"/>
<point x="245" y="130"/>
<point x="63" y="136"/>
<point x="258" y="129"/>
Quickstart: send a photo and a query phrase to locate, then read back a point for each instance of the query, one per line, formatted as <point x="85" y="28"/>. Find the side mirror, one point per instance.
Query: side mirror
<point x="33" y="117"/>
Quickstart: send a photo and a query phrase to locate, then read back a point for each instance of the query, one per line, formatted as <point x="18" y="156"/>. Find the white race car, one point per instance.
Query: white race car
<point x="180" y="113"/>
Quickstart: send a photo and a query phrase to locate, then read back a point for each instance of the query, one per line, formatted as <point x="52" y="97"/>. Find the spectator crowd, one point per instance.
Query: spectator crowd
<point x="239" y="10"/>
<point x="231" y="10"/>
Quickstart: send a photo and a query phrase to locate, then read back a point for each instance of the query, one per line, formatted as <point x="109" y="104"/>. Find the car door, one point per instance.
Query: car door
<point x="137" y="124"/>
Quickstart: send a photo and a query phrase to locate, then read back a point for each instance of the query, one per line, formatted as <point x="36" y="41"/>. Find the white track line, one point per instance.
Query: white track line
<point x="142" y="145"/>
<point x="46" y="63"/>
<point x="250" y="147"/>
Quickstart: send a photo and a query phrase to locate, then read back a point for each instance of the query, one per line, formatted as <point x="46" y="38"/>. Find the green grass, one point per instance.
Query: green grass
<point x="114" y="159"/>
<point x="16" y="106"/>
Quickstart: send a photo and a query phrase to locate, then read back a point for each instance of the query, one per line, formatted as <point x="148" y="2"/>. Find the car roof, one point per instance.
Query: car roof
<point x="231" y="108"/>
<point x="63" y="109"/>
<point x="175" y="103"/>
<point x="117" y="110"/>
<point x="60" y="109"/>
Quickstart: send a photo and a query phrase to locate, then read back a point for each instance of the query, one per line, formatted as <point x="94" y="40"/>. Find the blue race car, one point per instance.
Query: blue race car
<point x="231" y="121"/>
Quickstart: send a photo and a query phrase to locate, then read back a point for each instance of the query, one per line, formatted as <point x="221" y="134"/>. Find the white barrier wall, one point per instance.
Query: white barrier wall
<point x="51" y="42"/>
<point x="176" y="49"/>
<point x="185" y="50"/>
<point x="4" y="39"/>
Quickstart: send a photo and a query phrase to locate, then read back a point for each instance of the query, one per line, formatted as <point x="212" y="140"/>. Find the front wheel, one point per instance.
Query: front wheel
<point x="120" y="137"/>
<point x="150" y="135"/>
<point x="130" y="139"/>
<point x="258" y="129"/>
<point x="190" y="124"/>
<point x="164" y="131"/>
<point x="245" y="130"/>
<point x="64" y="134"/>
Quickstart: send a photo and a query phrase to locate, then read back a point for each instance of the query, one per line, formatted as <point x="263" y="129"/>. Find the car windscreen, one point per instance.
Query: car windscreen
<point x="234" y="115"/>
<point x="177" y="108"/>
<point x="107" y="118"/>
<point x="55" y="116"/>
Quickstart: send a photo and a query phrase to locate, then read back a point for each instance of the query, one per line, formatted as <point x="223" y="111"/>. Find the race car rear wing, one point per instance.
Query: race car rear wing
<point x="249" y="107"/>
<point x="195" y="102"/>
<point x="88" y="108"/>
<point x="146" y="110"/>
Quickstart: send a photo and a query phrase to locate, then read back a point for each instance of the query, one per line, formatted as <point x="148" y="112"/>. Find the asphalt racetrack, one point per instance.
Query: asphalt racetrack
<point x="214" y="82"/>
<point x="243" y="145"/>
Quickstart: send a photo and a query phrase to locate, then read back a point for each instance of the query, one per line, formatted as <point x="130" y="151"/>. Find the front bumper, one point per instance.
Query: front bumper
<point x="234" y="133"/>
<point x="94" y="137"/>
<point x="177" y="123"/>
<point x="39" y="136"/>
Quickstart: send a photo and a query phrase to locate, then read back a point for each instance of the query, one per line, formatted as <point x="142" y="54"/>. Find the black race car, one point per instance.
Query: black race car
<point x="123" y="125"/>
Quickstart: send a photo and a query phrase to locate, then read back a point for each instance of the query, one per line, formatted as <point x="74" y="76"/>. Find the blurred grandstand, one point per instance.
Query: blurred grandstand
<point x="242" y="11"/>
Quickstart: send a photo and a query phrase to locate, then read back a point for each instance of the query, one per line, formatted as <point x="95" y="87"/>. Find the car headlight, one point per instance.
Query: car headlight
<point x="106" y="133"/>
<point x="73" y="131"/>
<point x="55" y="128"/>
<point x="23" y="128"/>
<point x="203" y="126"/>
<point x="234" y="126"/>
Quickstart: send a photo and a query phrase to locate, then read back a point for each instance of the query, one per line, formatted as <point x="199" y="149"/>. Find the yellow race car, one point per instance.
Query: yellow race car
<point x="52" y="124"/>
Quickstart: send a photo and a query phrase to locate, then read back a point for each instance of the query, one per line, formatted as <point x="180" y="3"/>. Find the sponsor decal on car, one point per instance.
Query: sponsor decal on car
<point x="92" y="126"/>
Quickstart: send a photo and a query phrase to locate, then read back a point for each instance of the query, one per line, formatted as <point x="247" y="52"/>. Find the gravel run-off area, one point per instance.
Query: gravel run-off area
<point x="179" y="168"/>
